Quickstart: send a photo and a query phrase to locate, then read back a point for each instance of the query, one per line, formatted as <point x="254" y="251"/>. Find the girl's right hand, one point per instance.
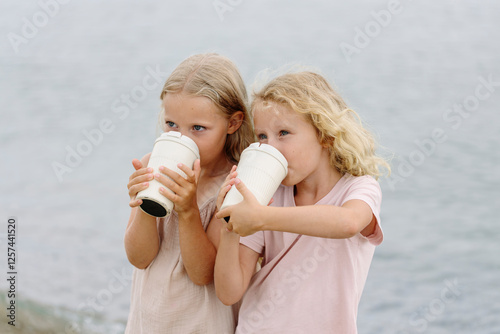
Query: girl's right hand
<point x="139" y="180"/>
<point x="228" y="183"/>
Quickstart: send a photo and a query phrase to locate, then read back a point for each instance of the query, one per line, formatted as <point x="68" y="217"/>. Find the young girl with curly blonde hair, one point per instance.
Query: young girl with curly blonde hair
<point x="172" y="289"/>
<point x="318" y="237"/>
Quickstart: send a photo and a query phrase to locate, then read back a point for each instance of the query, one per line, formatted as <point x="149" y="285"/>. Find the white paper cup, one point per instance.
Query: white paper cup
<point x="262" y="168"/>
<point x="170" y="149"/>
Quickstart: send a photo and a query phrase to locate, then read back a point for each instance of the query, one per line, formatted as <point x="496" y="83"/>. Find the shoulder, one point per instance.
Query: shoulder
<point x="364" y="188"/>
<point x="365" y="179"/>
<point x="356" y="183"/>
<point x="355" y="187"/>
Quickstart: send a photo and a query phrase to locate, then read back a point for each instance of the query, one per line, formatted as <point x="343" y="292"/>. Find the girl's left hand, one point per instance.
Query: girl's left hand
<point x="184" y="189"/>
<point x="245" y="217"/>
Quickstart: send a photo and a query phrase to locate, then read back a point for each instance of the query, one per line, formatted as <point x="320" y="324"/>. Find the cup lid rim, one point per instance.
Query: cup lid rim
<point x="271" y="150"/>
<point x="181" y="139"/>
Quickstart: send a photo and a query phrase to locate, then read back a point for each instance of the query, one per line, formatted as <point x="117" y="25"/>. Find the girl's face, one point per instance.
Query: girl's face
<point x="198" y="118"/>
<point x="295" y="137"/>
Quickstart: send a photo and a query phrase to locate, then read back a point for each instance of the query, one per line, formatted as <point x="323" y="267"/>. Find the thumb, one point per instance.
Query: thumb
<point x="197" y="169"/>
<point x="137" y="164"/>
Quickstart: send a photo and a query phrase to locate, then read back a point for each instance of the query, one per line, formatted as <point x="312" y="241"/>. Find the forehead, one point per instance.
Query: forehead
<point x="271" y="113"/>
<point x="195" y="107"/>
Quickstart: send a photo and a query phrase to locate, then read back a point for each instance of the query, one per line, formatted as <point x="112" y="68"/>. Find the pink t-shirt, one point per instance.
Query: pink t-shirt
<point x="310" y="284"/>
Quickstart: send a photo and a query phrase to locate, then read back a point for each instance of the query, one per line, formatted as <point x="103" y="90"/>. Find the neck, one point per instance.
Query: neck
<point x="216" y="168"/>
<point x="211" y="178"/>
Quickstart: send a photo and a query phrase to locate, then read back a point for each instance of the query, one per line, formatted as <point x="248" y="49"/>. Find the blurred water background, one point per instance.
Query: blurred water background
<point x="425" y="75"/>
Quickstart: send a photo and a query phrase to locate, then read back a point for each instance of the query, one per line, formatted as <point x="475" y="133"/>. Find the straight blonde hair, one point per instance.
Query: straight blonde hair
<point x="351" y="146"/>
<point x="217" y="78"/>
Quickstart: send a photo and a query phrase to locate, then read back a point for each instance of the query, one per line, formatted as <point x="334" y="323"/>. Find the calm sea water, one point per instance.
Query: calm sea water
<point x="424" y="75"/>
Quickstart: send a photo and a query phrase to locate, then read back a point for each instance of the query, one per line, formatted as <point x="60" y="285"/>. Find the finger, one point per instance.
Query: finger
<point x="140" y="179"/>
<point x="176" y="177"/>
<point x="197" y="169"/>
<point x="223" y="213"/>
<point x="222" y="194"/>
<point x="190" y="174"/>
<point x="232" y="174"/>
<point x="169" y="194"/>
<point x="167" y="182"/>
<point x="242" y="188"/>
<point x="229" y="227"/>
<point x="135" y="202"/>
<point x="135" y="189"/>
<point x="140" y="172"/>
<point x="137" y="164"/>
<point x="233" y="169"/>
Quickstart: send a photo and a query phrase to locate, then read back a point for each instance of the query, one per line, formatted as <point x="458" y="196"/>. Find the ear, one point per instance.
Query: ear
<point x="326" y="141"/>
<point x="235" y="122"/>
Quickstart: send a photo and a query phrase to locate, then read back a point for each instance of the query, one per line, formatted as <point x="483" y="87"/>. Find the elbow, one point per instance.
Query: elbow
<point x="201" y="281"/>
<point x="350" y="230"/>
<point x="226" y="300"/>
<point x="226" y="297"/>
<point x="228" y="303"/>
<point x="349" y="227"/>
<point x="139" y="264"/>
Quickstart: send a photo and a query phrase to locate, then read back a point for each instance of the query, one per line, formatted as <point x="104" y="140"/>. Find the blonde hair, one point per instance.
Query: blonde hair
<point x="351" y="146"/>
<point x="217" y="78"/>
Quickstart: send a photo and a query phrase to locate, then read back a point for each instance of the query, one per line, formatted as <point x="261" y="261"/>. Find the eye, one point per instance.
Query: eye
<point x="283" y="133"/>
<point x="261" y="136"/>
<point x="198" y="128"/>
<point x="171" y="124"/>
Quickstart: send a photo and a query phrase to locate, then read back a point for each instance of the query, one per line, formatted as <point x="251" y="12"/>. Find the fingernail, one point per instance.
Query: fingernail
<point x="157" y="175"/>
<point x="237" y="181"/>
<point x="145" y="183"/>
<point x="161" y="168"/>
<point x="179" y="165"/>
<point x="150" y="170"/>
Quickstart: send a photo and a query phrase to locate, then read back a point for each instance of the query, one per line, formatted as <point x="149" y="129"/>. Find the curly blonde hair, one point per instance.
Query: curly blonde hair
<point x="351" y="146"/>
<point x="217" y="78"/>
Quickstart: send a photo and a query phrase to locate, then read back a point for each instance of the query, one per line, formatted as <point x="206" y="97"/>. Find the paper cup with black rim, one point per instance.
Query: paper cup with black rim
<point x="170" y="149"/>
<point x="262" y="168"/>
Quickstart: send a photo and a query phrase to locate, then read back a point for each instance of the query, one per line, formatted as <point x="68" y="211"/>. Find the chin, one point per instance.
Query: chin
<point x="288" y="182"/>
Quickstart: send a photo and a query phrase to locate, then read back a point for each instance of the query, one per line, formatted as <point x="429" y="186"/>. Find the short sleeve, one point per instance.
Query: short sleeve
<point x="367" y="189"/>
<point x="255" y="242"/>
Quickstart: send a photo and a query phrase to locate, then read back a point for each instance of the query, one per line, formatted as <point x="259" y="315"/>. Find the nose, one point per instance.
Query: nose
<point x="273" y="142"/>
<point x="184" y="133"/>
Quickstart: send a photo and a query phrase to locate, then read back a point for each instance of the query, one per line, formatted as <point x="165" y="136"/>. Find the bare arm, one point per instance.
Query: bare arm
<point x="198" y="253"/>
<point x="327" y="221"/>
<point x="198" y="249"/>
<point x="141" y="236"/>
<point x="234" y="267"/>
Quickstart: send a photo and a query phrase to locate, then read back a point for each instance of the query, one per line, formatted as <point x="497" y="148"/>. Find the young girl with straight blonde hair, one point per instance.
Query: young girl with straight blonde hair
<point x="318" y="237"/>
<point x="172" y="289"/>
